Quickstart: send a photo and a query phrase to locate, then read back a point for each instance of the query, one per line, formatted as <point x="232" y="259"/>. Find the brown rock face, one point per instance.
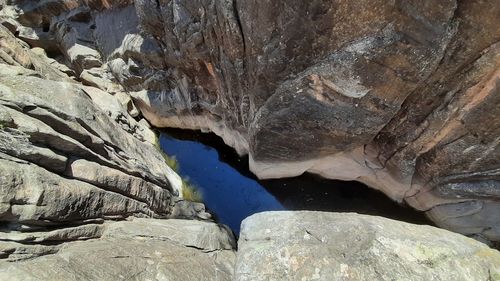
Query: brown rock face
<point x="401" y="95"/>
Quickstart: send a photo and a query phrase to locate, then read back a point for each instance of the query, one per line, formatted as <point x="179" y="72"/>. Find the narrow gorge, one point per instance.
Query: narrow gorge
<point x="328" y="139"/>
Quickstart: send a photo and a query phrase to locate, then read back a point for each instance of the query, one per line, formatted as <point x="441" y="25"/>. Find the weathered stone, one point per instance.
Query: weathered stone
<point x="113" y="180"/>
<point x="17" y="53"/>
<point x="346" y="246"/>
<point x="141" y="249"/>
<point x="205" y="236"/>
<point x="388" y="93"/>
<point x="187" y="209"/>
<point x="73" y="161"/>
<point x="70" y="156"/>
<point x="100" y="78"/>
<point x="75" y="125"/>
<point x="33" y="195"/>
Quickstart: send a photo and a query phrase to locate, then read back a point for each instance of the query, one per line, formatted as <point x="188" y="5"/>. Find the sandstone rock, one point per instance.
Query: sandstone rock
<point x="390" y="93"/>
<point x="37" y="37"/>
<point x="126" y="100"/>
<point x="32" y="195"/>
<point x="53" y="62"/>
<point x="109" y="163"/>
<point x="75" y="159"/>
<point x="392" y="98"/>
<point x="74" y="124"/>
<point x="141" y="249"/>
<point x="100" y="78"/>
<point x="17" y="53"/>
<point x="345" y="246"/>
<point x="71" y="157"/>
<point x="205" y="236"/>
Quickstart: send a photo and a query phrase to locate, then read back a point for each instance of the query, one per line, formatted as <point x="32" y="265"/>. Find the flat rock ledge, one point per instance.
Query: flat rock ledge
<point x="139" y="249"/>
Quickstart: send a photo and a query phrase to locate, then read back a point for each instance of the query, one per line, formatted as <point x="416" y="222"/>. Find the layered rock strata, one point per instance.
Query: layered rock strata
<point x="140" y="249"/>
<point x="72" y="159"/>
<point x="272" y="246"/>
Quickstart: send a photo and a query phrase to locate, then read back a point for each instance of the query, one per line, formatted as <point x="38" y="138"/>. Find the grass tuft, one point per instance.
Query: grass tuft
<point x="3" y="124"/>
<point x="171" y="161"/>
<point x="190" y="192"/>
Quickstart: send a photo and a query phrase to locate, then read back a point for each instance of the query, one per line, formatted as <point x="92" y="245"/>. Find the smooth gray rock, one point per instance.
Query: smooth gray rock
<point x="346" y="246"/>
<point x="32" y="195"/>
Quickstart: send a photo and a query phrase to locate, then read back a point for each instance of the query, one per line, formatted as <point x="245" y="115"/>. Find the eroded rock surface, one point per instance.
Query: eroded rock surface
<point x="73" y="160"/>
<point x="401" y="95"/>
<point x="346" y="246"/>
<point x="140" y="249"/>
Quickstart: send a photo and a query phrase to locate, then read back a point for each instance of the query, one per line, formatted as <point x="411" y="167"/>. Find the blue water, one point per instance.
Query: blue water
<point x="226" y="192"/>
<point x="231" y="192"/>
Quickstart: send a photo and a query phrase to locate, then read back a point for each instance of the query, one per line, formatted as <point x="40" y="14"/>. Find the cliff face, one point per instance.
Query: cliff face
<point x="73" y="159"/>
<point x="401" y="95"/>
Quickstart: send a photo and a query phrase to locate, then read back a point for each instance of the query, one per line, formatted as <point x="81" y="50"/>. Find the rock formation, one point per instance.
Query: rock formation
<point x="141" y="249"/>
<point x="72" y="158"/>
<point x="400" y="95"/>
<point x="304" y="246"/>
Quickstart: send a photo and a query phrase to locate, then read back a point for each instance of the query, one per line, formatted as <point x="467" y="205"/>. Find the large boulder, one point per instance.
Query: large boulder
<point x="345" y="246"/>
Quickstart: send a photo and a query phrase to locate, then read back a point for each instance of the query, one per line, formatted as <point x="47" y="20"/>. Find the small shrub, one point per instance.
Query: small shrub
<point x="171" y="161"/>
<point x="4" y="124"/>
<point x="157" y="141"/>
<point x="191" y="192"/>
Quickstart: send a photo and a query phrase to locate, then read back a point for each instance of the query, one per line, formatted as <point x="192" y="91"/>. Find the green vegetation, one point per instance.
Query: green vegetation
<point x="171" y="161"/>
<point x="157" y="141"/>
<point x="3" y="124"/>
<point x="190" y="192"/>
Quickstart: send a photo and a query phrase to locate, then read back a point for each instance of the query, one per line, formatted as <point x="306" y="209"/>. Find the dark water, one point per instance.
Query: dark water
<point x="232" y="192"/>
